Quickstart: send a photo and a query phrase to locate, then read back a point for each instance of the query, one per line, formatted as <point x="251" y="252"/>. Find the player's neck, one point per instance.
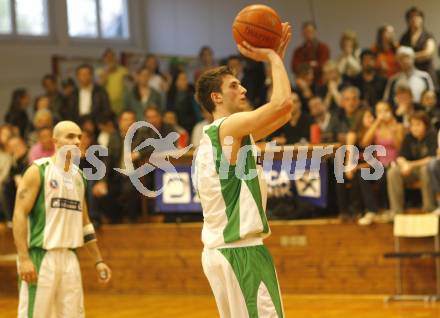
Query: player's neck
<point x="220" y="113"/>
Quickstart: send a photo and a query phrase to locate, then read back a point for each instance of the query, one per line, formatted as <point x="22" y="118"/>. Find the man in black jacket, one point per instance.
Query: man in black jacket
<point x="88" y="99"/>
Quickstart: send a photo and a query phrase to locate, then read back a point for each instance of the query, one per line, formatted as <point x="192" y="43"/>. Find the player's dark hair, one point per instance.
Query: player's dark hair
<point x="210" y="82"/>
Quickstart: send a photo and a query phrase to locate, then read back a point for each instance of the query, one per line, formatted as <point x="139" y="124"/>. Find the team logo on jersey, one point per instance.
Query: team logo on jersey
<point x="53" y="184"/>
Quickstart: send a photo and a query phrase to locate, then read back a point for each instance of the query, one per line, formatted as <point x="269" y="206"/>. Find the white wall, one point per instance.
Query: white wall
<point x="182" y="26"/>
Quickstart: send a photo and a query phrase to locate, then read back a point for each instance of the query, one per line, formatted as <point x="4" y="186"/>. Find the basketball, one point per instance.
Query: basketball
<point x="259" y="25"/>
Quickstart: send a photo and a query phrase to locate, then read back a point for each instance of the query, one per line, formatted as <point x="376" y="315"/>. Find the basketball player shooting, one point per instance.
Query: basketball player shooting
<point x="238" y="266"/>
<point x="50" y="221"/>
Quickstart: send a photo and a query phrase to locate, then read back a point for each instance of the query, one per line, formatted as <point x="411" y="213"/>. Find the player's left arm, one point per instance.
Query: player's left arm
<point x="91" y="243"/>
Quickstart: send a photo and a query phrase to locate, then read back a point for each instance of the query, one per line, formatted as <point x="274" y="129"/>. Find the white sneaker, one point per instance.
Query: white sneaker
<point x="367" y="219"/>
<point x="386" y="217"/>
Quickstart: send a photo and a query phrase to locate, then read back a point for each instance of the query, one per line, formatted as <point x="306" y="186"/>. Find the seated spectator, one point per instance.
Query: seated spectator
<point x="405" y="106"/>
<point x="18" y="150"/>
<point x="297" y="130"/>
<point x="362" y="199"/>
<point x="348" y="62"/>
<point x="205" y="61"/>
<point x="198" y="128"/>
<point x="170" y="119"/>
<point x="158" y="81"/>
<point x="429" y="104"/>
<point x="421" y="41"/>
<point x="304" y="86"/>
<point x="5" y="167"/>
<point x="44" y="147"/>
<point x="87" y="123"/>
<point x="153" y="116"/>
<point x="42" y="118"/>
<point x="69" y="87"/>
<point x="387" y="132"/>
<point x="434" y="172"/>
<point x="370" y="84"/>
<point x="17" y="113"/>
<point x="142" y="95"/>
<point x="106" y="127"/>
<point x="344" y="120"/>
<point x="333" y="83"/>
<point x="180" y="100"/>
<point x="112" y="77"/>
<point x="42" y="102"/>
<point x="385" y="49"/>
<point x="418" y="81"/>
<point x="312" y="52"/>
<point x="418" y="148"/>
<point x="116" y="189"/>
<point x="56" y="99"/>
<point x="324" y="118"/>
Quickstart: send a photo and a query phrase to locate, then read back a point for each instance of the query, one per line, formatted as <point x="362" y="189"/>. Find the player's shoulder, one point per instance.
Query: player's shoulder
<point x="41" y="161"/>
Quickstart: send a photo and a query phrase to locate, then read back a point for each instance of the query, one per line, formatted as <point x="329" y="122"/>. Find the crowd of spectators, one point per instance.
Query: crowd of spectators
<point x="385" y="94"/>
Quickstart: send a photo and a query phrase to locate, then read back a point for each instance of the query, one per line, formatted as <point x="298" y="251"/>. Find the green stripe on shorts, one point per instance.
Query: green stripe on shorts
<point x="36" y="255"/>
<point x="253" y="265"/>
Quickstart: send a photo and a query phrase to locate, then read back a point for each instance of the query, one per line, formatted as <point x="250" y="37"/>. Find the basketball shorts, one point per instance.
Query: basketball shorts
<point x="58" y="290"/>
<point x="244" y="282"/>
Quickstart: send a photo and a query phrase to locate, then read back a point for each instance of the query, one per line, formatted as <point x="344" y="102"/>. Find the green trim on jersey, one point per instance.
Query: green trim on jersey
<point x="231" y="186"/>
<point x="37" y="216"/>
<point x="252" y="266"/>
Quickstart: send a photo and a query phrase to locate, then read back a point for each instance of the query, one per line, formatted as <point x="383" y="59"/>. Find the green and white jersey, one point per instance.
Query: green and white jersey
<point x="233" y="207"/>
<point x="56" y="219"/>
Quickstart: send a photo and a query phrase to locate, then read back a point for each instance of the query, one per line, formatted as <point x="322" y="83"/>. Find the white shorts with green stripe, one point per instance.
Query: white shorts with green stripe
<point x="58" y="291"/>
<point x="244" y="282"/>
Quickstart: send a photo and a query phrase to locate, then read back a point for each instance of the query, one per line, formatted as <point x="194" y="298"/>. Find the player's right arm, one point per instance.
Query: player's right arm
<point x="278" y="109"/>
<point x="27" y="193"/>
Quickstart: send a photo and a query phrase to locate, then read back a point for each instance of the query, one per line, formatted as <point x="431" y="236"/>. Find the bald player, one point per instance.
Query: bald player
<point x="50" y="222"/>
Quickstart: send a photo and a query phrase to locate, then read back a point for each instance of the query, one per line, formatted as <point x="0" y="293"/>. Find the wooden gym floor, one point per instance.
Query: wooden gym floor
<point x="296" y="306"/>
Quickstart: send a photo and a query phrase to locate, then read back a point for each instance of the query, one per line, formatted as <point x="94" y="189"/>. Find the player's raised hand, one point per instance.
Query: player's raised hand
<point x="104" y="272"/>
<point x="254" y="53"/>
<point x="26" y="270"/>
<point x="286" y="35"/>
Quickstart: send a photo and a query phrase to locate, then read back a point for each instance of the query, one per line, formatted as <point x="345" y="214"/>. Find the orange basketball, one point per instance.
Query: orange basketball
<point x="259" y="25"/>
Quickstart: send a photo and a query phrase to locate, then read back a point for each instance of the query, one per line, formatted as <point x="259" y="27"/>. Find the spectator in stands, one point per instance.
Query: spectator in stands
<point x="170" y="119"/>
<point x="17" y="113"/>
<point x="153" y="116"/>
<point x="5" y="166"/>
<point x="106" y="127"/>
<point x="121" y="197"/>
<point x="18" y="150"/>
<point x="89" y="98"/>
<point x="344" y="121"/>
<point x="387" y="132"/>
<point x="434" y="173"/>
<point x="418" y="81"/>
<point x="142" y="95"/>
<point x="421" y="41"/>
<point x="297" y="130"/>
<point x="180" y="100"/>
<point x="42" y="102"/>
<point x="385" y="49"/>
<point x="205" y="62"/>
<point x="42" y="118"/>
<point x="87" y="123"/>
<point x="324" y="118"/>
<point x="44" y="147"/>
<point x="363" y="198"/>
<point x="158" y="81"/>
<point x="348" y="62"/>
<point x="429" y="104"/>
<point x="405" y="106"/>
<point x="370" y="84"/>
<point x="198" y="128"/>
<point x="312" y="52"/>
<point x="304" y="85"/>
<point x="112" y="77"/>
<point x="56" y="99"/>
<point x="333" y="83"/>
<point x="252" y="75"/>
<point x="418" y="148"/>
<point x="87" y="140"/>
<point x="69" y="87"/>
